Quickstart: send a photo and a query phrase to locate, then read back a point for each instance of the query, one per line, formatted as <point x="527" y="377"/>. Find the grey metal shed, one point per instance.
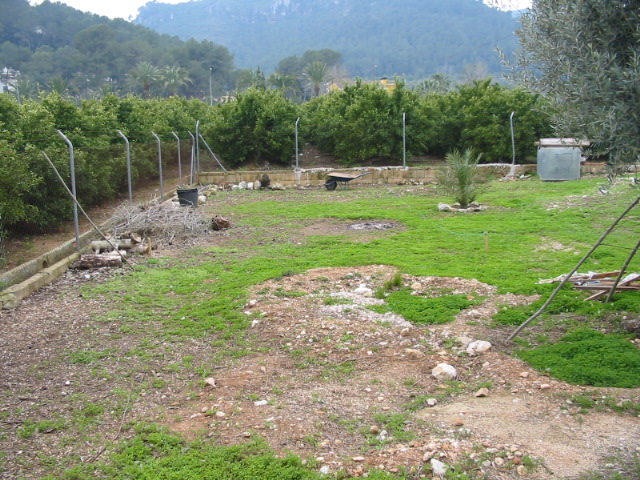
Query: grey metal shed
<point x="559" y="158"/>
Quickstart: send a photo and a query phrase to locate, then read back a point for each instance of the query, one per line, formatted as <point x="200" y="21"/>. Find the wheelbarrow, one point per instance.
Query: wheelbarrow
<point x="333" y="179"/>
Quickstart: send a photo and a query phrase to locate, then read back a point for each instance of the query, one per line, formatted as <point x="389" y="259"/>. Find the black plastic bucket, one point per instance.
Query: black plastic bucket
<point x="188" y="197"/>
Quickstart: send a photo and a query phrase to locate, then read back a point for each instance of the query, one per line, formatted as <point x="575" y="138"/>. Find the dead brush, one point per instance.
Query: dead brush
<point x="164" y="223"/>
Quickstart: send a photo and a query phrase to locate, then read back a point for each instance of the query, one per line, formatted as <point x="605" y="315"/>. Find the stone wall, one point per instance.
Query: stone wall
<point x="318" y="176"/>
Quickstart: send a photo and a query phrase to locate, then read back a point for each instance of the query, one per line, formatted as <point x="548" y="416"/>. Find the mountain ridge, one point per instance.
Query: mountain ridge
<point x="415" y="38"/>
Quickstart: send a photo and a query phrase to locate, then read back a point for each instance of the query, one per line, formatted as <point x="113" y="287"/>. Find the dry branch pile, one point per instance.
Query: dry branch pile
<point x="164" y="222"/>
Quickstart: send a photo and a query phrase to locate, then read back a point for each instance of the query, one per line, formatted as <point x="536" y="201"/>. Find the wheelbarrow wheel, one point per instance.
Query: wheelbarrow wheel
<point x="331" y="185"/>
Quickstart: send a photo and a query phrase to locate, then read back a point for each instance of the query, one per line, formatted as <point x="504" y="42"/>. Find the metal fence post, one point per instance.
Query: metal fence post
<point x="126" y="141"/>
<point x="160" y="165"/>
<point x="179" y="160"/>
<point x="197" y="147"/>
<point x="298" y="120"/>
<point x="72" y="168"/>
<point x="404" y="140"/>
<point x="193" y="156"/>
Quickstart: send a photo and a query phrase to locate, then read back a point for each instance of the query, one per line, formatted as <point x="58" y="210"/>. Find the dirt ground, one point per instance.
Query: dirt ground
<point x="325" y="378"/>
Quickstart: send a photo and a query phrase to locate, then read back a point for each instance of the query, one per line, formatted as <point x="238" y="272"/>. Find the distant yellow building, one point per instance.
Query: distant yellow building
<point x="390" y="86"/>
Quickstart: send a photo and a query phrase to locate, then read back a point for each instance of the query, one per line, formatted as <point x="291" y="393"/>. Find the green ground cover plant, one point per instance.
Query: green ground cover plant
<point x="588" y="357"/>
<point x="423" y="310"/>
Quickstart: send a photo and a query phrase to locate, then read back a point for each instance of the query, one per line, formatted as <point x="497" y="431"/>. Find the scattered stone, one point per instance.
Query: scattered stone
<point x="443" y="207"/>
<point x="358" y="459"/>
<point x="483" y="392"/>
<point x="438" y="468"/>
<point x="374" y="430"/>
<point x="220" y="414"/>
<point x="325" y="470"/>
<point x="260" y="403"/>
<point x="458" y="422"/>
<point x="242" y="185"/>
<point x="444" y="371"/>
<point x="522" y="470"/>
<point x="414" y="354"/>
<point x="478" y="347"/>
<point x="416" y="286"/>
<point x="363" y="290"/>
<point x="498" y="461"/>
<point x="432" y="402"/>
<point x="524" y="374"/>
<point x="278" y="186"/>
<point x="545" y="386"/>
<point x="210" y="381"/>
<point x="202" y="199"/>
<point x="464" y="341"/>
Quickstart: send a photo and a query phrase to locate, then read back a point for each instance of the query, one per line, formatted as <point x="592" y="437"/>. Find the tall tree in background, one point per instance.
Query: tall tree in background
<point x="315" y="74"/>
<point x="145" y="75"/>
<point x="173" y="78"/>
<point x="583" y="55"/>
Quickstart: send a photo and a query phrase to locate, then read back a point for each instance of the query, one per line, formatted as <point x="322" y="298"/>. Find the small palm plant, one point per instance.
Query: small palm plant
<point x="460" y="177"/>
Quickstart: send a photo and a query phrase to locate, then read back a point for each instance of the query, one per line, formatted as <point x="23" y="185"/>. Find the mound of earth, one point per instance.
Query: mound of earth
<point x="335" y="376"/>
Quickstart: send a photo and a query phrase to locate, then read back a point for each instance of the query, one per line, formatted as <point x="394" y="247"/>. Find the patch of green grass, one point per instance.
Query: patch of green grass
<point x="88" y="357"/>
<point x="289" y="293"/>
<point x="396" y="426"/>
<point x="422" y="310"/>
<point x="588" y="357"/>
<point x="155" y="454"/>
<point x="336" y="301"/>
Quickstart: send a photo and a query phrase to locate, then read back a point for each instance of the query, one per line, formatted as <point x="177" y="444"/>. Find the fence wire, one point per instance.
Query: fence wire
<point x="25" y="240"/>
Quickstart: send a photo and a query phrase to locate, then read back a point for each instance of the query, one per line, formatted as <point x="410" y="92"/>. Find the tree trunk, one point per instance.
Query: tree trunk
<point x="97" y="261"/>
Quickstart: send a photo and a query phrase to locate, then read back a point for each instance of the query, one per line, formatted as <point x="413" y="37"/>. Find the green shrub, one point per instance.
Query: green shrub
<point x="460" y="177"/>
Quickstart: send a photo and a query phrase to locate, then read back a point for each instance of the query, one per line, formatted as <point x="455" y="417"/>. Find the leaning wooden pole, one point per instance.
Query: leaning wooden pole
<point x="575" y="269"/>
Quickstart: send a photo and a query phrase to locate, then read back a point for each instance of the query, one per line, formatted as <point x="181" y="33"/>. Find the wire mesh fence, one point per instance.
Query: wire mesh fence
<point x="142" y="173"/>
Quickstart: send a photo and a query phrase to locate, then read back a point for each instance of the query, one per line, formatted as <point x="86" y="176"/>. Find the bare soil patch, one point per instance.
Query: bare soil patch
<point x="327" y="378"/>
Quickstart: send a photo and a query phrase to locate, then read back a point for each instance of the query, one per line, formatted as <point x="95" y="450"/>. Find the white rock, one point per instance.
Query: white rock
<point x="210" y="381"/>
<point x="465" y="341"/>
<point x="432" y="402"/>
<point x="477" y="347"/>
<point x="325" y="470"/>
<point x="363" y="290"/>
<point x="438" y="467"/>
<point x="202" y="199"/>
<point x="257" y="185"/>
<point x="260" y="403"/>
<point x="443" y="207"/>
<point x="444" y="371"/>
<point x="250" y="186"/>
<point x="242" y="185"/>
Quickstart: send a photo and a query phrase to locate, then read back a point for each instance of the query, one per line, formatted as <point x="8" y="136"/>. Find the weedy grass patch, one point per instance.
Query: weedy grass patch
<point x="155" y="454"/>
<point x="588" y="357"/>
<point x="424" y="310"/>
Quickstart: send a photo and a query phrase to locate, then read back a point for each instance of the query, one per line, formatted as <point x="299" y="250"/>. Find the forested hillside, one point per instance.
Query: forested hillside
<point x="415" y="38"/>
<point x="76" y="53"/>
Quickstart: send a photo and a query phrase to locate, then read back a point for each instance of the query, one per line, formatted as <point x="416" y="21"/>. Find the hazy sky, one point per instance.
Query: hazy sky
<point x="129" y="8"/>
